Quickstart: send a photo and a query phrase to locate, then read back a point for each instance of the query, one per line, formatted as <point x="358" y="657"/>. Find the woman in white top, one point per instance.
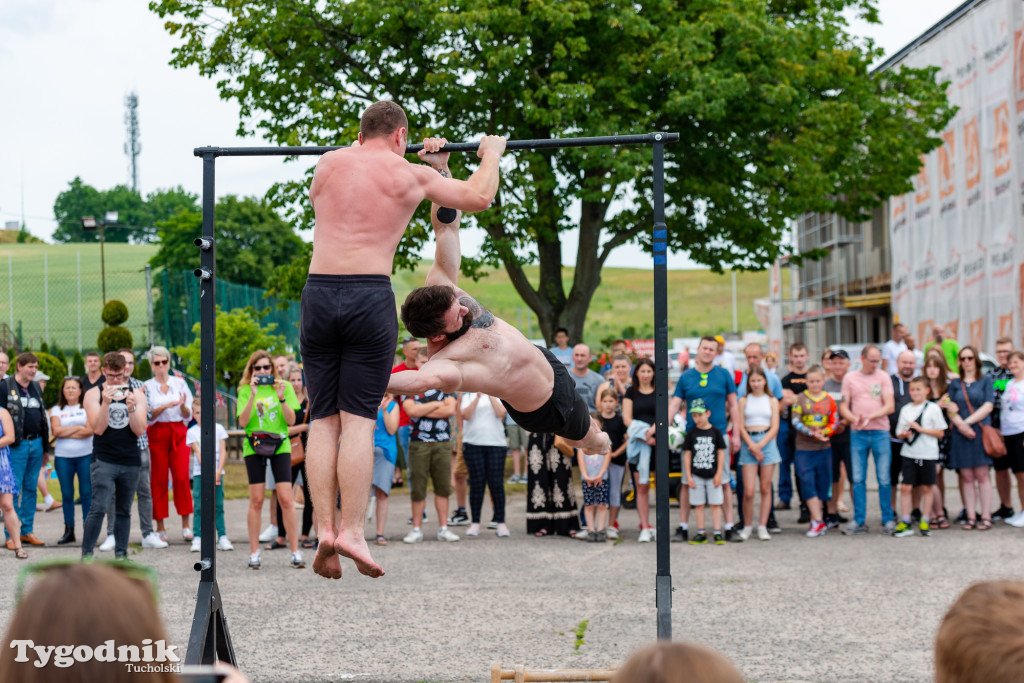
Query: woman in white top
<point x="1011" y="422"/>
<point x="758" y="425"/>
<point x="484" y="448"/>
<point x="72" y="453"/>
<point x="170" y="411"/>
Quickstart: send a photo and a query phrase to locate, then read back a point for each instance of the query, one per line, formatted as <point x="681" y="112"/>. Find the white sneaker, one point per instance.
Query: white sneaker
<point x="186" y="534"/>
<point x="1017" y="520"/>
<point x="581" y="535"/>
<point x="443" y="534"/>
<point x="414" y="536"/>
<point x="269" y="534"/>
<point x="612" y="532"/>
<point x="224" y="544"/>
<point x="646" y="536"/>
<point x="297" y="562"/>
<point x="762" y="533"/>
<point x="152" y="540"/>
<point x="745" y="533"/>
<point x="108" y="544"/>
<point x="196" y="545"/>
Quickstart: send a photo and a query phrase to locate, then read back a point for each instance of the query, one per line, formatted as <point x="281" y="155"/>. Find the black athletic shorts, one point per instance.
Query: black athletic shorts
<point x="280" y="467"/>
<point x="348" y="335"/>
<point x="1014" y="457"/>
<point x="565" y="413"/>
<point x="919" y="472"/>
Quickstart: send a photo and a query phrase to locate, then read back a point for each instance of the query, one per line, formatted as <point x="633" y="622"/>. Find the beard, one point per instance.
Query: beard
<point x="467" y="322"/>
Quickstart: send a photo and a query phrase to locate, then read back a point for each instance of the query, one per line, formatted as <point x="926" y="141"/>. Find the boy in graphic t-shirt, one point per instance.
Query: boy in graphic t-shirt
<point x="704" y="455"/>
<point x="814" y="421"/>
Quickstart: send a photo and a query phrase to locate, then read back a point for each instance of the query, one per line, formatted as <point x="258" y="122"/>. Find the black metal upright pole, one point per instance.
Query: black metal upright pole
<point x="209" y="640"/>
<point x="664" y="577"/>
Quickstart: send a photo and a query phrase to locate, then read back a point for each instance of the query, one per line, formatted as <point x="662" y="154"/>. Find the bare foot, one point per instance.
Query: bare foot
<point x="355" y="548"/>
<point x="326" y="562"/>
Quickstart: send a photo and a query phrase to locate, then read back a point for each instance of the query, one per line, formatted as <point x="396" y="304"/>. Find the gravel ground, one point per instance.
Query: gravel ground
<point x="836" y="608"/>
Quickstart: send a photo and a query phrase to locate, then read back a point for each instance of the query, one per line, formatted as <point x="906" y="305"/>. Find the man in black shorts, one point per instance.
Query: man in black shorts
<point x="472" y="350"/>
<point x="363" y="197"/>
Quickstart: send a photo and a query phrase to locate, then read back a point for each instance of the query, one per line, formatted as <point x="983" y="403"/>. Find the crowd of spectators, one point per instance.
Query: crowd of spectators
<point x="746" y="436"/>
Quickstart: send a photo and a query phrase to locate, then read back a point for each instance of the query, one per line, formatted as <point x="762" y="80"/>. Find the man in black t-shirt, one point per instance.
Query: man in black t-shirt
<point x="117" y="414"/>
<point x="23" y="398"/>
<point x="793" y="385"/>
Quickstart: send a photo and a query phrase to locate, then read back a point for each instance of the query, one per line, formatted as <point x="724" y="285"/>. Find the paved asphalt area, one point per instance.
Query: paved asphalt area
<point x="835" y="608"/>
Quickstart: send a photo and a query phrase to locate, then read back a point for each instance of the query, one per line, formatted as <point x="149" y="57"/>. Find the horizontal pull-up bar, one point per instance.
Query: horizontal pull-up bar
<point x="551" y="143"/>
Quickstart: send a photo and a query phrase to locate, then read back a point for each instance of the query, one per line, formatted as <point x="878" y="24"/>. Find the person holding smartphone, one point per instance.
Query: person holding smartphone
<point x="266" y="409"/>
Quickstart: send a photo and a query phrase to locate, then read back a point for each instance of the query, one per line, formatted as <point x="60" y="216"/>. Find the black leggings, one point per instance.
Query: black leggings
<point x="307" y="508"/>
<point x="486" y="465"/>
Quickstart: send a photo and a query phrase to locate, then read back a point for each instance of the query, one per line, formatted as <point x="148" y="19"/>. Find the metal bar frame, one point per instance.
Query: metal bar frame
<point x="210" y="639"/>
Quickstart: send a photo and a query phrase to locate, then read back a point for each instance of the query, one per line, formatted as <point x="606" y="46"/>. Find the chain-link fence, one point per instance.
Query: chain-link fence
<point x="177" y="307"/>
<point x="57" y="297"/>
<point x="55" y="294"/>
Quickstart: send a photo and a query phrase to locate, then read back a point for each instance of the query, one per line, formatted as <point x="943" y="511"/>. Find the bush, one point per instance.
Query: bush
<point x="61" y="357"/>
<point x="114" y="313"/>
<point x="78" y="365"/>
<point x="114" y="338"/>
<point x="143" y="371"/>
<point x="57" y="371"/>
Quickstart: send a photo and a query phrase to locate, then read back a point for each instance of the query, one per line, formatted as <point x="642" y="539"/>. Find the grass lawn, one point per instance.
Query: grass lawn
<point x="51" y="302"/>
<point x="699" y="301"/>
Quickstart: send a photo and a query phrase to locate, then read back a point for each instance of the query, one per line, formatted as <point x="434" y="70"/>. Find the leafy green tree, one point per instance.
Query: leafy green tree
<point x="774" y="101"/>
<point x="239" y="333"/>
<point x="49" y="365"/>
<point x="136" y="218"/>
<point x="252" y="240"/>
<point x="78" y="364"/>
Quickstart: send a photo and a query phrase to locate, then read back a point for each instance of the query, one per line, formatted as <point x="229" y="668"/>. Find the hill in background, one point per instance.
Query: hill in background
<point x="700" y="301"/>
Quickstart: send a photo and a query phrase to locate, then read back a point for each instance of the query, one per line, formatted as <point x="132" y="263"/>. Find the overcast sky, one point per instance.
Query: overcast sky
<point x="66" y="65"/>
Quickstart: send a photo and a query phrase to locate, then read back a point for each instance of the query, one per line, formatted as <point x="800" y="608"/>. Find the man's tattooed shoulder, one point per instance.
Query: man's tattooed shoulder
<point x="482" y="318"/>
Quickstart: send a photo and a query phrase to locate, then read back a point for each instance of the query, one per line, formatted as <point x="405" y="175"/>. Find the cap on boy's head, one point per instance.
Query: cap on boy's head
<point x="840" y="353"/>
<point x="720" y="339"/>
<point x="697" y="406"/>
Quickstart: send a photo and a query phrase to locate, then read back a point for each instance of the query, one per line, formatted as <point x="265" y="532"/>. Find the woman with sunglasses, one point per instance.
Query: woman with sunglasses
<point x="266" y="409"/>
<point x="72" y="452"/>
<point x="9" y="486"/>
<point x="170" y="403"/>
<point x="971" y="398"/>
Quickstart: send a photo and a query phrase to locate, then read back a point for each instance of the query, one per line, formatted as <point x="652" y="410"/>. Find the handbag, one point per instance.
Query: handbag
<point x="991" y="439"/>
<point x="298" y="450"/>
<point x="265" y="443"/>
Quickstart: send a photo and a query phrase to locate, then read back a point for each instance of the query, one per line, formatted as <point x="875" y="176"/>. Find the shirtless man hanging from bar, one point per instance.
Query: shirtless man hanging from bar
<point x="472" y="350"/>
<point x="364" y="197"/>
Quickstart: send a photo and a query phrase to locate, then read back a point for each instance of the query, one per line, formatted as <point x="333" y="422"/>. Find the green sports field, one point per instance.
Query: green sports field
<point x="699" y="301"/>
<point x="41" y="286"/>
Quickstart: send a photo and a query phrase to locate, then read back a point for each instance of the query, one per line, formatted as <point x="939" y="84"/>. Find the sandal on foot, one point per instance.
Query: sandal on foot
<point x="308" y="543"/>
<point x="380" y="540"/>
<point x="276" y="545"/>
<point x="941" y="522"/>
<point x="969" y="524"/>
<point x="20" y="553"/>
<point x="984" y="524"/>
<point x="542" y="533"/>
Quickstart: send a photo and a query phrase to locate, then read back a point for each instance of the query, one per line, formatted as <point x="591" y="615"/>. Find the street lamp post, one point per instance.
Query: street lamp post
<point x="90" y="223"/>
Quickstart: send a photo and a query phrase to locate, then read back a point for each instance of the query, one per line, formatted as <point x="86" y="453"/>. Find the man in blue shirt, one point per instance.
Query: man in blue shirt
<point x="715" y="386"/>
<point x="561" y="350"/>
<point x="755" y="355"/>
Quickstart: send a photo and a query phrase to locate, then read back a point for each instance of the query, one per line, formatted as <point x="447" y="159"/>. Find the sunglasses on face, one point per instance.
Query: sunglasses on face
<point x="161" y="362"/>
<point x="966" y="358"/>
<point x="262" y="367"/>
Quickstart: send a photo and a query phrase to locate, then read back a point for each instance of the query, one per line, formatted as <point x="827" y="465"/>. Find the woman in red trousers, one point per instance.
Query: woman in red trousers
<point x="170" y="410"/>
